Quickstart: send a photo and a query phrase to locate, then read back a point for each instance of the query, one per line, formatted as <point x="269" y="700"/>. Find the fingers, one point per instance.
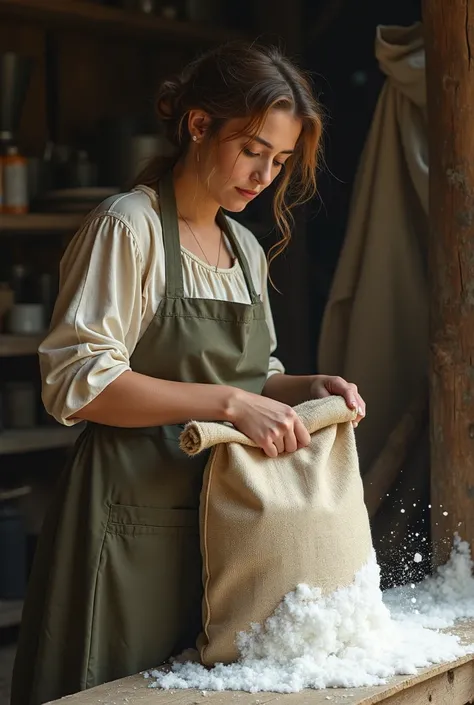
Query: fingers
<point x="273" y="443"/>
<point x="269" y="449"/>
<point x="302" y="435"/>
<point x="360" y="408"/>
<point x="354" y="401"/>
<point x="347" y="390"/>
<point x="291" y="444"/>
<point x="287" y="437"/>
<point x="279" y="442"/>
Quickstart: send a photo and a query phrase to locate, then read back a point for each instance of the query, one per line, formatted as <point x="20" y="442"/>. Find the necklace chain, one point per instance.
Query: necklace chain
<point x="200" y="246"/>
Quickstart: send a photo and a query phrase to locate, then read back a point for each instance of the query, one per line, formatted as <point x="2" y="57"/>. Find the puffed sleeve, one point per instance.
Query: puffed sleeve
<point x="96" y="320"/>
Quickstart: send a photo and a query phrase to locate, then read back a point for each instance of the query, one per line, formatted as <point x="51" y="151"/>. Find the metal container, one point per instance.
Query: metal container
<point x="15" y="72"/>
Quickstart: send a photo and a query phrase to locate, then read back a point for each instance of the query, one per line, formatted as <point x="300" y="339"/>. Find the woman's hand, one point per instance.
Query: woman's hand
<point x="273" y="426"/>
<point x="325" y="386"/>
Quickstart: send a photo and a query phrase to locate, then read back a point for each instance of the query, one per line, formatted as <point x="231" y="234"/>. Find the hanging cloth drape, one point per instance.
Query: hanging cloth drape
<point x="375" y="326"/>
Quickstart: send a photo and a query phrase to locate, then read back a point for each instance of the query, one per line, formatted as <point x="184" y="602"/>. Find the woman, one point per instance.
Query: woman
<point x="163" y="316"/>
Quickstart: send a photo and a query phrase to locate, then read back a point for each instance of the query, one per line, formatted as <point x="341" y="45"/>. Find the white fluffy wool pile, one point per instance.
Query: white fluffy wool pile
<point x="353" y="637"/>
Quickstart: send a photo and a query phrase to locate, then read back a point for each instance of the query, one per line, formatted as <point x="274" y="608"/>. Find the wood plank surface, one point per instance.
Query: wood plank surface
<point x="8" y="494"/>
<point x="25" y="440"/>
<point x="444" y="684"/>
<point x="10" y="613"/>
<point x="40" y="222"/>
<point x="19" y="345"/>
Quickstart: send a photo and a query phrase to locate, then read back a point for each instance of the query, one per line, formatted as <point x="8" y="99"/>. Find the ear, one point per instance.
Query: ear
<point x="198" y="122"/>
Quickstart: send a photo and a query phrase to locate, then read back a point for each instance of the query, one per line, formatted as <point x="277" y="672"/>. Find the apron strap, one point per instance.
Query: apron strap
<point x="172" y="246"/>
<point x="171" y="242"/>
<point x="224" y="224"/>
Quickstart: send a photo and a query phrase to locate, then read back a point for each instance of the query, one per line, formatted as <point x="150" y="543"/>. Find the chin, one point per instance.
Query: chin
<point x="236" y="208"/>
<point x="234" y="205"/>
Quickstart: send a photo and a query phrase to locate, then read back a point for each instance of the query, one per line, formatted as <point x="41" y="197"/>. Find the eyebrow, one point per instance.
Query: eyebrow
<point x="270" y="146"/>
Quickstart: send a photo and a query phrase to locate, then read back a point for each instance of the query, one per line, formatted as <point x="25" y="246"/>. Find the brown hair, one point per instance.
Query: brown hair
<point x="238" y="80"/>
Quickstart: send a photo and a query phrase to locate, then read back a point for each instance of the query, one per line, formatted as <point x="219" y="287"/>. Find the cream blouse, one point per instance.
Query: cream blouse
<point x="112" y="279"/>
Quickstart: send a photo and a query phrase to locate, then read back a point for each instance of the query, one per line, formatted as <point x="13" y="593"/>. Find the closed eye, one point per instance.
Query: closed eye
<point x="249" y="153"/>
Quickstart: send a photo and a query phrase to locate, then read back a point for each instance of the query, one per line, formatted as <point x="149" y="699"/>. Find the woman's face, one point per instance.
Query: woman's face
<point x="240" y="169"/>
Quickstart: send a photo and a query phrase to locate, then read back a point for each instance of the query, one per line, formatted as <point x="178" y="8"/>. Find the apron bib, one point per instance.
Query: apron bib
<point x="116" y="583"/>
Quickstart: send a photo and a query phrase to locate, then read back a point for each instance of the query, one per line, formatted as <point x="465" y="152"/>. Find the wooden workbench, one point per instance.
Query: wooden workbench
<point x="447" y="684"/>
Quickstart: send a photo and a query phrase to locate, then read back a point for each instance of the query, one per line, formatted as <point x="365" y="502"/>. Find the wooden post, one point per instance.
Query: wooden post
<point x="449" y="41"/>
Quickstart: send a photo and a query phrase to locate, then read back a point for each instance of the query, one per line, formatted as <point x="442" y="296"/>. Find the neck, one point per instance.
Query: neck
<point x="192" y="198"/>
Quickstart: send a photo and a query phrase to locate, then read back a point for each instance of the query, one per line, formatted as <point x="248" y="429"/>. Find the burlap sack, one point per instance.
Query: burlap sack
<point x="268" y="524"/>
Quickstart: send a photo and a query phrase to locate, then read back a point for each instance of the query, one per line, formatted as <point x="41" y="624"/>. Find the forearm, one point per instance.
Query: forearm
<point x="289" y="389"/>
<point x="135" y="400"/>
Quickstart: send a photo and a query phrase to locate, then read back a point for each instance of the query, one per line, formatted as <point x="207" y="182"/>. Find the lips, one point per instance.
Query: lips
<point x="247" y="194"/>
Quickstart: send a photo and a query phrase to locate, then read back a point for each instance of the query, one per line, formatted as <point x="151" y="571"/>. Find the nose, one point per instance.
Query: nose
<point x="264" y="175"/>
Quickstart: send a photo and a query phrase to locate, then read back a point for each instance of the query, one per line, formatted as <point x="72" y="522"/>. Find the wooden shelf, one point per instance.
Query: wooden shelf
<point x="41" y="438"/>
<point x="11" y="493"/>
<point x="19" y="345"/>
<point x="40" y="222"/>
<point x="10" y="613"/>
<point x="78" y="13"/>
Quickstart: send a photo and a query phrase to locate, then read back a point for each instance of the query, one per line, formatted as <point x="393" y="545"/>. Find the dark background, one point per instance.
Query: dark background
<point x="89" y="82"/>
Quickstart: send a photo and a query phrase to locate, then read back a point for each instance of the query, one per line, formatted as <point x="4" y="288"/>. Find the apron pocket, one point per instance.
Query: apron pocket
<point x="123" y="515"/>
<point x="149" y="589"/>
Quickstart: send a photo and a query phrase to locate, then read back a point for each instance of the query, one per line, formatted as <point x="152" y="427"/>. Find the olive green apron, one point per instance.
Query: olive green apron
<point x="116" y="582"/>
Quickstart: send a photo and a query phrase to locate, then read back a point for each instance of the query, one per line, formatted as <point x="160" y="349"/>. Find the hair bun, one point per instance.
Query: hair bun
<point x="168" y="99"/>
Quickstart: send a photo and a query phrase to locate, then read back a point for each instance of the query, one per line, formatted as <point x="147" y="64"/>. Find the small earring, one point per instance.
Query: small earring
<point x="194" y="138"/>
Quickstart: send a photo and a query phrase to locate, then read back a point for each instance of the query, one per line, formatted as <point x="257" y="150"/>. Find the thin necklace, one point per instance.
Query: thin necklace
<point x="200" y="246"/>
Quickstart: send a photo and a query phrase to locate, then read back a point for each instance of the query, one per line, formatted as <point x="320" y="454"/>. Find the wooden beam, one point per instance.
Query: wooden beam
<point x="449" y="41"/>
<point x="92" y="17"/>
